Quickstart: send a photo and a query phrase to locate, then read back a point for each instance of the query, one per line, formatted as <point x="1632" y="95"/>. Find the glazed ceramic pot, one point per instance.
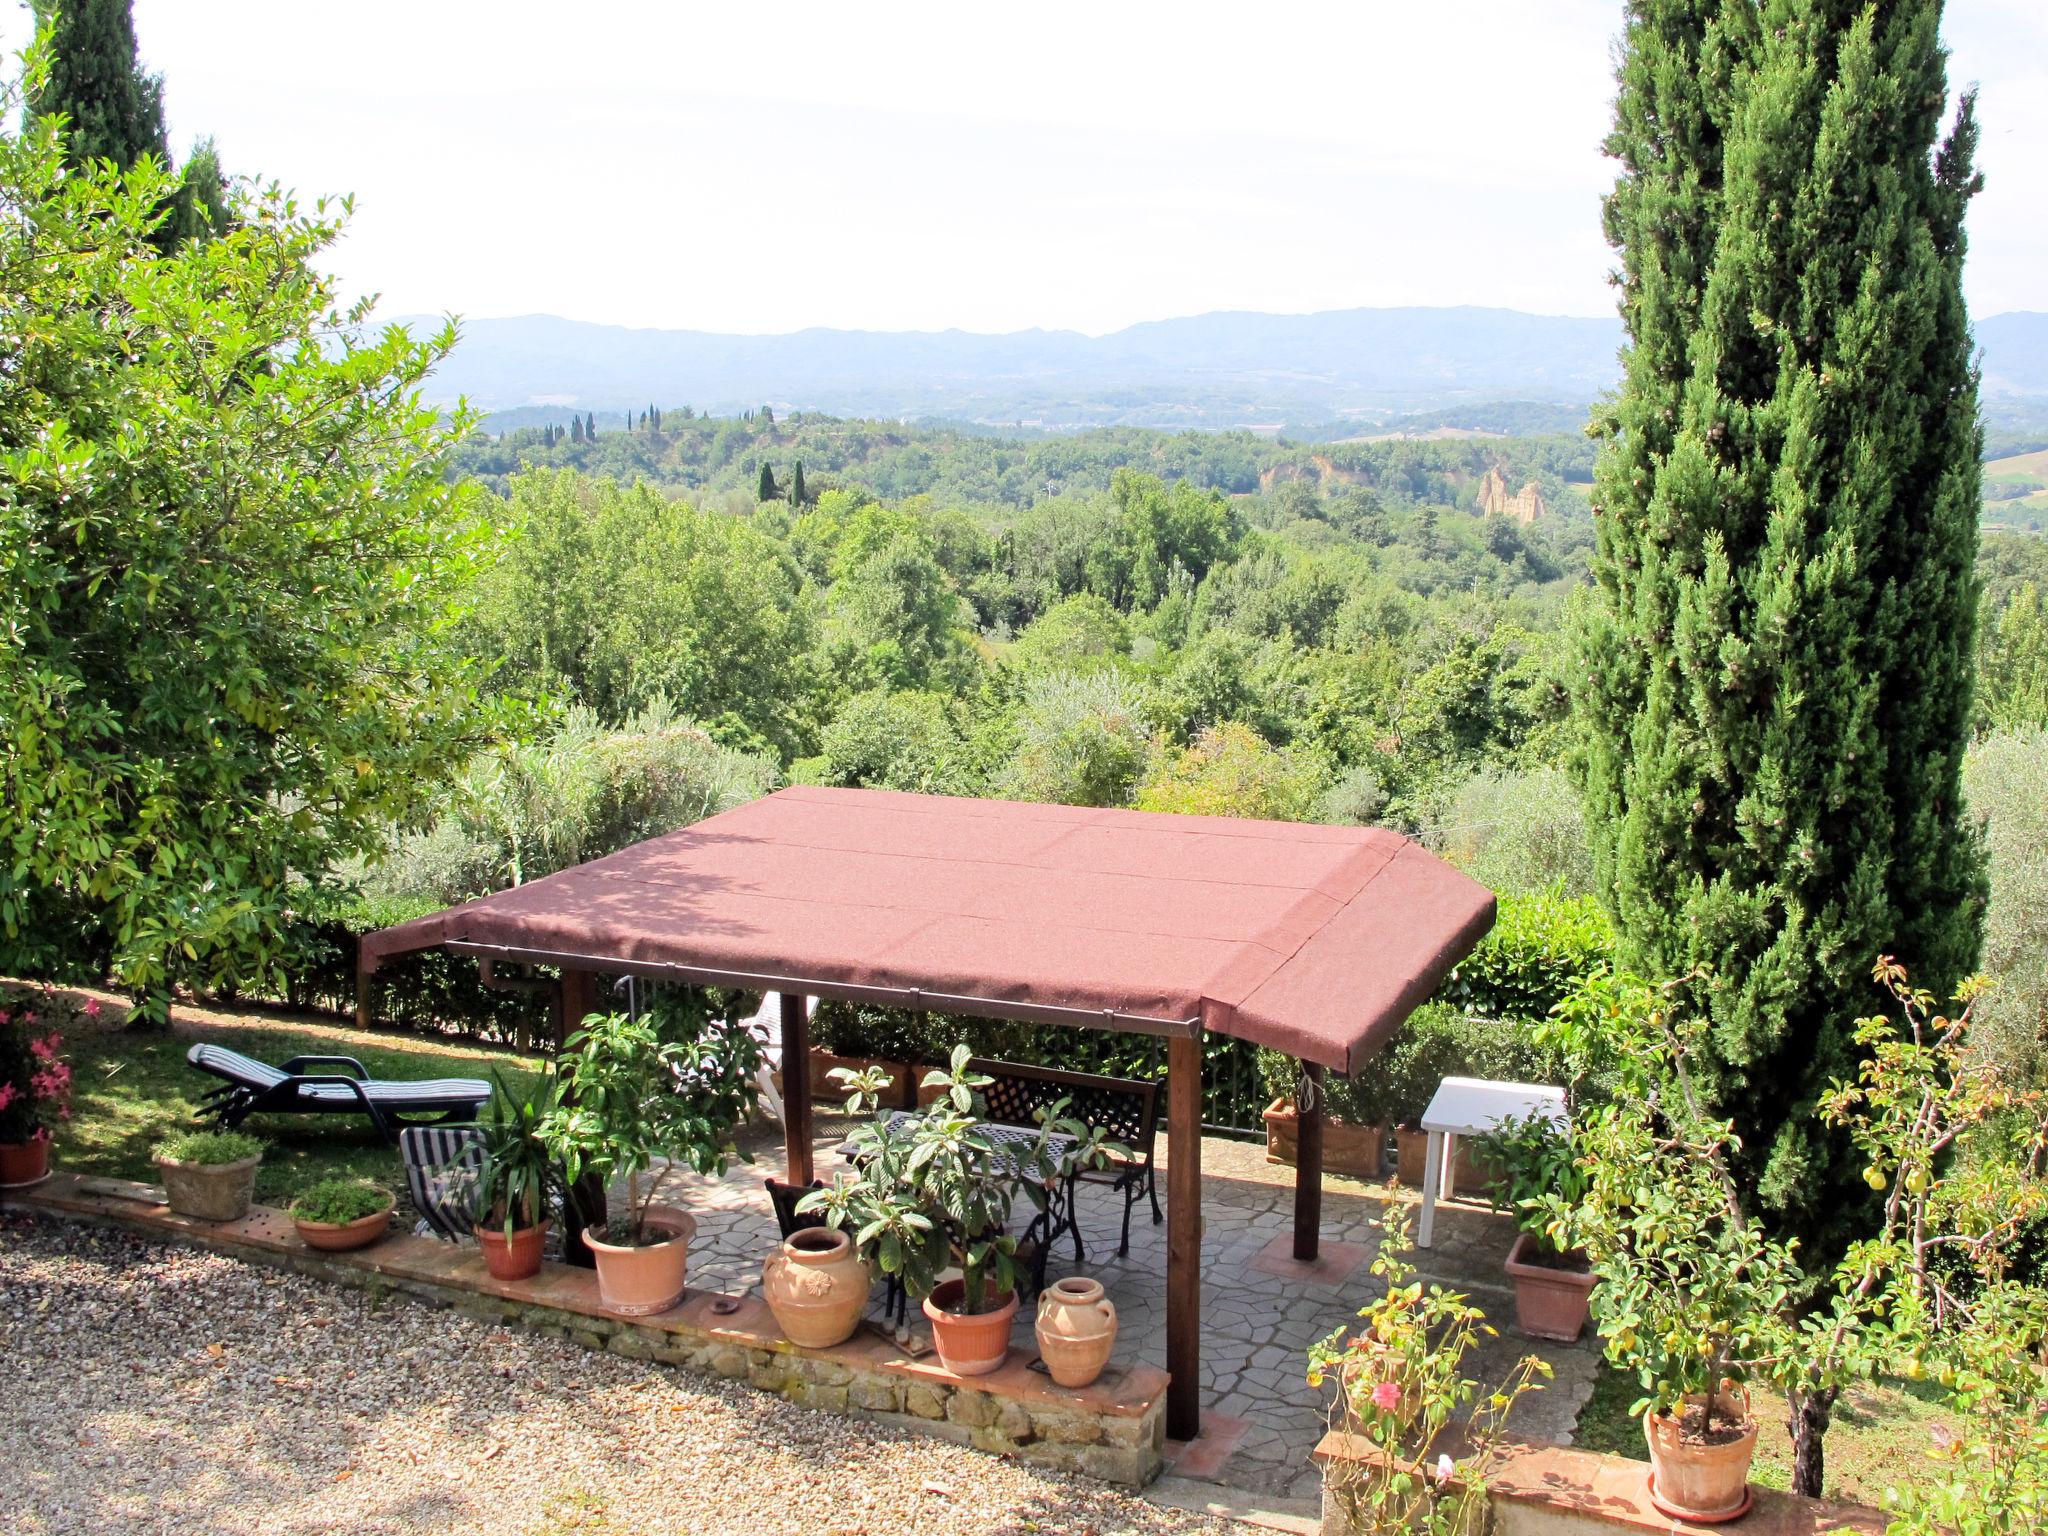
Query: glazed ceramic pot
<point x="209" y="1191"/>
<point x="816" y="1287"/>
<point x="1705" y="1482"/>
<point x="1076" y="1330"/>
<point x="25" y="1162"/>
<point x="1552" y="1294"/>
<point x="969" y="1345"/>
<point x="516" y="1258"/>
<point x="342" y="1236"/>
<point x="634" y="1282"/>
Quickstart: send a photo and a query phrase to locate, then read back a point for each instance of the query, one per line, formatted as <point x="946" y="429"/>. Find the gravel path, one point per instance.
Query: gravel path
<point x="154" y="1390"/>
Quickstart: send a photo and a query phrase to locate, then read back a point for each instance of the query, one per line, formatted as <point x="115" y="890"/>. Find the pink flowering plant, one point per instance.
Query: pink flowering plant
<point x="1403" y="1395"/>
<point x="35" y="1079"/>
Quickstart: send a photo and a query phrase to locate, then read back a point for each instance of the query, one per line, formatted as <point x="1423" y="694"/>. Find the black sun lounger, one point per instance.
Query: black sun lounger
<point x="300" y="1087"/>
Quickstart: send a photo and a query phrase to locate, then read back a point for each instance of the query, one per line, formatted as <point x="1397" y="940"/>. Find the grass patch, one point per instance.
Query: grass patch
<point x="133" y="1089"/>
<point x="1879" y="1438"/>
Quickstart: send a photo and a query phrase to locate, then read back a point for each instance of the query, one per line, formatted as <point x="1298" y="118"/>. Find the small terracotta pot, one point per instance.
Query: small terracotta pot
<point x="1706" y="1484"/>
<point x="1076" y="1330"/>
<point x="634" y="1282"/>
<point x="25" y="1162"/>
<point x="516" y="1259"/>
<point x="209" y="1191"/>
<point x="342" y="1236"/>
<point x="969" y="1345"/>
<point x="1550" y="1302"/>
<point x="816" y="1287"/>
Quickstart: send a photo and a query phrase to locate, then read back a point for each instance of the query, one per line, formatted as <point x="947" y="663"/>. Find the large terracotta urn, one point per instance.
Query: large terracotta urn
<point x="1703" y="1479"/>
<point x="638" y="1281"/>
<point x="816" y="1287"/>
<point x="1076" y="1330"/>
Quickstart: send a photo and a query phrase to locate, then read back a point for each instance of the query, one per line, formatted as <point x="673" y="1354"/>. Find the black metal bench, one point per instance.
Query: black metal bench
<point x="1125" y="1109"/>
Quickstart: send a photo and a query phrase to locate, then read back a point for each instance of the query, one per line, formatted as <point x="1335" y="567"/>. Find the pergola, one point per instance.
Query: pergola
<point x="1316" y="941"/>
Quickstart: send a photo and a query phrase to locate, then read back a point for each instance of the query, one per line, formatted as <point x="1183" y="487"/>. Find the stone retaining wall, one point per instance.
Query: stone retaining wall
<point x="1113" y="1430"/>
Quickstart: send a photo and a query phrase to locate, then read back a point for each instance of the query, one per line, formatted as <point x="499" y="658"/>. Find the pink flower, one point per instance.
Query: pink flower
<point x="92" y="1008"/>
<point x="45" y="1050"/>
<point x="1444" y="1469"/>
<point x="8" y="1094"/>
<point x="28" y="1015"/>
<point x="1386" y="1397"/>
<point x="6" y="1017"/>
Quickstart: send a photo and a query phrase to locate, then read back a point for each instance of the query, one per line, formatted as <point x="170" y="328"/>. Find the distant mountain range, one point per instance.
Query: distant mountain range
<point x="1352" y="368"/>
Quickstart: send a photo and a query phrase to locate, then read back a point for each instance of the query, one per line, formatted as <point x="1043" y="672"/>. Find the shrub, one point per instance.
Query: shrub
<point x="1230" y="770"/>
<point x="902" y="741"/>
<point x="1354" y="800"/>
<point x="336" y="1202"/>
<point x="1519" y="832"/>
<point x="208" y="1148"/>
<point x="1541" y="948"/>
<point x="35" y="1079"/>
<point x="2003" y="778"/>
<point x="1080" y="741"/>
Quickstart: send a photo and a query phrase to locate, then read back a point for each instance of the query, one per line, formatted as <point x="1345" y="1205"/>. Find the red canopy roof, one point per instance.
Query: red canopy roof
<point x="1317" y="941"/>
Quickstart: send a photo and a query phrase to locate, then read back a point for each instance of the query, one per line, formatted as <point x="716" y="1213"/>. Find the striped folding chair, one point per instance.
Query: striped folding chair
<point x="441" y="1167"/>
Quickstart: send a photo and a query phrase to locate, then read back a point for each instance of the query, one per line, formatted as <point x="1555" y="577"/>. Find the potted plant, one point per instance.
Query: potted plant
<point x="644" y="1096"/>
<point x="1430" y="1047"/>
<point x="1403" y="1396"/>
<point x="935" y="1194"/>
<point x="510" y="1198"/>
<point x="1534" y="1159"/>
<point x="336" y="1215"/>
<point x="35" y="1094"/>
<point x="1354" y="1123"/>
<point x="209" y="1175"/>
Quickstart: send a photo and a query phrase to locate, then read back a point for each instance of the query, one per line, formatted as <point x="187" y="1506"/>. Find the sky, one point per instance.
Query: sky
<point x="991" y="167"/>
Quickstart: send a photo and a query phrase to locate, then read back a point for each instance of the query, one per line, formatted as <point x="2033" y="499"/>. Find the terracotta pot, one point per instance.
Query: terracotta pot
<point x="816" y="1287"/>
<point x="342" y="1236"/>
<point x="969" y="1346"/>
<point x="920" y="1094"/>
<point x="1472" y="1173"/>
<point x="516" y="1259"/>
<point x="827" y="1090"/>
<point x="1411" y="1155"/>
<point x="1703" y="1483"/>
<point x="209" y="1191"/>
<point x="25" y="1162"/>
<point x="634" y="1282"/>
<point x="1551" y="1302"/>
<point x="1076" y="1330"/>
<point x="1353" y="1150"/>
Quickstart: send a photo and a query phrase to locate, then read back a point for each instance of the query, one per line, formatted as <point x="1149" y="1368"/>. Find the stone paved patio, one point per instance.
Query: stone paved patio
<point x="1259" y="1314"/>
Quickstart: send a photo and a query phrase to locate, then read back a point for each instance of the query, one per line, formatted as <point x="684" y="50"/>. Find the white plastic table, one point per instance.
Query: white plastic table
<point x="1472" y="1106"/>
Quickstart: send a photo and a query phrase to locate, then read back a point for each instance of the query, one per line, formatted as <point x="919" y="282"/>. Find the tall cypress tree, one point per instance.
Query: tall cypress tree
<point x="1777" y="663"/>
<point x="796" y="485"/>
<point x="115" y="112"/>
<point x="590" y="426"/>
<point x="767" y="490"/>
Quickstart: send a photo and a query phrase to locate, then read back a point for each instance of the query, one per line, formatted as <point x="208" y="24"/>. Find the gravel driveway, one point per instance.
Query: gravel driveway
<point x="153" y="1389"/>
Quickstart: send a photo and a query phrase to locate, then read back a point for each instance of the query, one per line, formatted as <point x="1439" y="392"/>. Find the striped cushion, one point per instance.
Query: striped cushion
<point x="234" y="1066"/>
<point x="440" y="1090"/>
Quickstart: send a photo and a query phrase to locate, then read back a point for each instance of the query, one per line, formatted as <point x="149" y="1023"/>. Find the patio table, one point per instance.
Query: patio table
<point x="1472" y="1106"/>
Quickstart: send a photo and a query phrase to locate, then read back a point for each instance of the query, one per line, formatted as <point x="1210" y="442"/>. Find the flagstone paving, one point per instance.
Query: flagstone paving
<point x="1259" y="1313"/>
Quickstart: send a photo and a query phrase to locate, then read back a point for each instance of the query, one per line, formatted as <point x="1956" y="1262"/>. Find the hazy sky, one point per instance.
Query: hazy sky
<point x="988" y="166"/>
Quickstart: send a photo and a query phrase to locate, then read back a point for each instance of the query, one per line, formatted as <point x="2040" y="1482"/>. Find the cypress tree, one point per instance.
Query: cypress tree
<point x="768" y="490"/>
<point x="796" y="485"/>
<point x="590" y="426"/>
<point x="575" y="429"/>
<point x="113" y="110"/>
<point x="1776" y="666"/>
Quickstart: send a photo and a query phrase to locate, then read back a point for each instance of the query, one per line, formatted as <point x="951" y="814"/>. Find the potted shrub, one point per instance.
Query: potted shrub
<point x="35" y="1093"/>
<point x="1433" y="1045"/>
<point x="643" y="1097"/>
<point x="209" y="1175"/>
<point x="336" y="1215"/>
<point x="936" y="1194"/>
<point x="1354" y="1125"/>
<point x="509" y="1199"/>
<point x="1534" y="1159"/>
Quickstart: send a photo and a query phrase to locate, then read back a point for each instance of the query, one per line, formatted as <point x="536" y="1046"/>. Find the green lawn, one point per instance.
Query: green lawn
<point x="133" y="1088"/>
<point x="1878" y="1439"/>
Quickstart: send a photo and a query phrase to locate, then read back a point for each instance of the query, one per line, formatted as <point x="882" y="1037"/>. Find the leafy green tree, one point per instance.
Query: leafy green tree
<point x="905" y="741"/>
<point x="1076" y="635"/>
<point x="1078" y="741"/>
<point x="2014" y="663"/>
<point x="201" y="210"/>
<point x="1776" y="671"/>
<point x="1230" y="770"/>
<point x="228" y="558"/>
<point x="893" y="618"/>
<point x="617" y="597"/>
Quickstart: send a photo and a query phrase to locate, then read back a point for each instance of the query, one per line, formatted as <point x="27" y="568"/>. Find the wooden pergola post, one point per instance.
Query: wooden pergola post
<point x="1308" y="1163"/>
<point x="575" y="998"/>
<point x="796" y="1087"/>
<point x="1184" y="1236"/>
